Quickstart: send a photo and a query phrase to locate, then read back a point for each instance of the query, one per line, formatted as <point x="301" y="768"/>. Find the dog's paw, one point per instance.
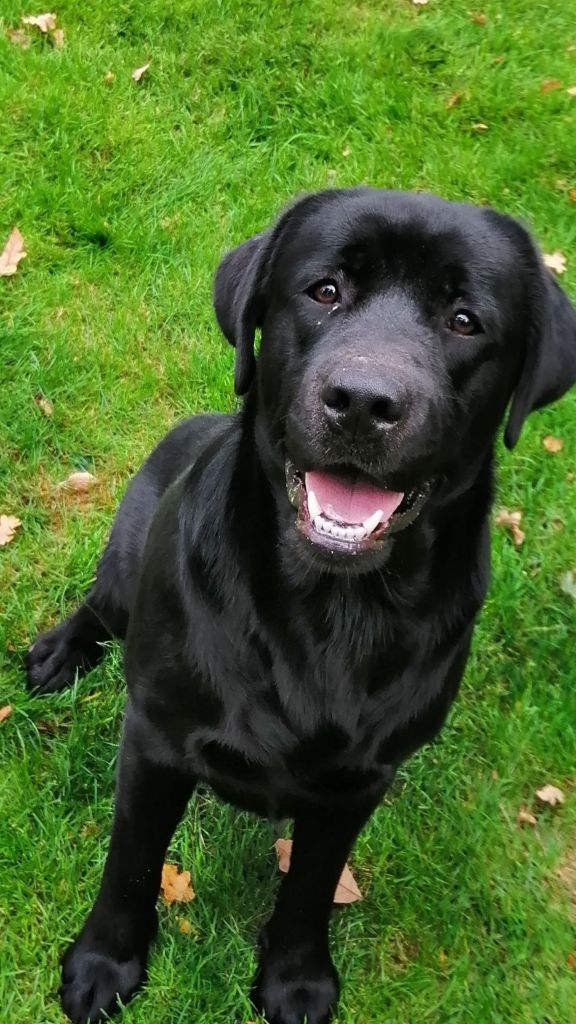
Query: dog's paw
<point x="53" y="660"/>
<point x="93" y="984"/>
<point x="296" y="988"/>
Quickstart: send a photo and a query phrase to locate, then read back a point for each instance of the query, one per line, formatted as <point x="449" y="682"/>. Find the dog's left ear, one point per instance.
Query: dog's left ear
<point x="549" y="368"/>
<point x="239" y="302"/>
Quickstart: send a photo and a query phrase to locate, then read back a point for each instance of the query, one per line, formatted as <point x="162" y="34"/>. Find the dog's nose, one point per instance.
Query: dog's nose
<point x="364" y="402"/>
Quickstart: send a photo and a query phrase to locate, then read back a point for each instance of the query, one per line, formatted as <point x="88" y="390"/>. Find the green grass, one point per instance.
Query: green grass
<point x="127" y="195"/>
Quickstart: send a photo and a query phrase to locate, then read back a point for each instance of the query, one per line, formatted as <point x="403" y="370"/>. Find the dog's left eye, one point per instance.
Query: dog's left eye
<point x="325" y="291"/>
<point x="464" y="322"/>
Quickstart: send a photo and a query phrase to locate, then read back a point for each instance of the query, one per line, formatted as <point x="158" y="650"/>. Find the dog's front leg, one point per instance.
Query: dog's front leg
<point x="107" y="962"/>
<point x="296" y="980"/>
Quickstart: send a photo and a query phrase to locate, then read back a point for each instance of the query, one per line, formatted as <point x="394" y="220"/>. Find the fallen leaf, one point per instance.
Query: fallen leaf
<point x="139" y="72"/>
<point x="552" y="444"/>
<point x="479" y="19"/>
<point x="175" y="885"/>
<point x="480" y="127"/>
<point x="109" y="77"/>
<point x="12" y="254"/>
<point x="453" y="100"/>
<point x="58" y="38"/>
<point x="550" y="795"/>
<point x="572" y="195"/>
<point x="81" y="481"/>
<point x="18" y="37"/>
<point x="550" y="85"/>
<point x="5" y="712"/>
<point x="555" y="261"/>
<point x="419" y="3"/>
<point x="571" y="961"/>
<point x="568" y="584"/>
<point x="50" y="728"/>
<point x="511" y="521"/>
<point x="525" y="817"/>
<point x="572" y="90"/>
<point x="8" y="527"/>
<point x="44" y="404"/>
<point x="347" y="890"/>
<point x="184" y="926"/>
<point x="45" y="22"/>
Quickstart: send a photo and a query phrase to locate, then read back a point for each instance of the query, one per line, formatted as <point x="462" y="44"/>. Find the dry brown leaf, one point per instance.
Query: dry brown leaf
<point x="139" y="72"/>
<point x="347" y="890"/>
<point x="550" y="85"/>
<point x="550" y="795"/>
<point x="44" y="404"/>
<point x="453" y="100"/>
<point x="572" y="90"/>
<point x="18" y="37"/>
<point x="81" y="481"/>
<point x="12" y="254"/>
<point x="552" y="444"/>
<point x="109" y="77"/>
<point x="175" y="885"/>
<point x="572" y="195"/>
<point x="525" y="817"/>
<point x="480" y="127"/>
<point x="511" y="521"/>
<point x="571" y="961"/>
<point x="8" y="527"/>
<point x="479" y="19"/>
<point x="45" y="22"/>
<point x="5" y="712"/>
<point x="555" y="261"/>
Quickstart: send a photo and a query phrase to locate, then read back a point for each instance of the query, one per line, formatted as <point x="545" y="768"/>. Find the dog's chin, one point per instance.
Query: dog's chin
<point x="350" y="524"/>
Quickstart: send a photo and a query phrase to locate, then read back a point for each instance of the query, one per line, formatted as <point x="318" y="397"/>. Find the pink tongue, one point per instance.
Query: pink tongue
<point x="351" y="501"/>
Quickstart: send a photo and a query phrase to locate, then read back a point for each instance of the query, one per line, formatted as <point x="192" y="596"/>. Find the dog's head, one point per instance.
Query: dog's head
<point x="396" y="331"/>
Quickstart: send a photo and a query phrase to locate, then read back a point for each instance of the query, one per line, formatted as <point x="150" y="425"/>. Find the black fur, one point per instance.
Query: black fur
<point x="294" y="677"/>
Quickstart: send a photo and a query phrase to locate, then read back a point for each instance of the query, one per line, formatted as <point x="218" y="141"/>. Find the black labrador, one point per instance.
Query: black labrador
<point x="297" y="583"/>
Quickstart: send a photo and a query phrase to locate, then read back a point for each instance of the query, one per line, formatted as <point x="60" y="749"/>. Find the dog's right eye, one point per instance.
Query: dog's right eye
<point x="325" y="291"/>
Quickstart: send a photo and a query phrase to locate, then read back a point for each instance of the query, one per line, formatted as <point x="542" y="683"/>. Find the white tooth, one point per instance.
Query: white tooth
<point x="371" y="523"/>
<point x="318" y="523"/>
<point x="340" y="531"/>
<point x="313" y="505"/>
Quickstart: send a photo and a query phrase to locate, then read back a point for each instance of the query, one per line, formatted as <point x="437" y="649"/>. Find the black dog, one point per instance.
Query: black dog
<point x="298" y="583"/>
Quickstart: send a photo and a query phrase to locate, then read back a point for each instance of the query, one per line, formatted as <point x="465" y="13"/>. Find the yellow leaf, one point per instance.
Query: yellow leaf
<point x="550" y="85"/>
<point x="175" y="885"/>
<point x="45" y="22"/>
<point x="511" y="521"/>
<point x="550" y="795"/>
<point x="552" y="444"/>
<point x="555" y="261"/>
<point x="525" y="817"/>
<point x="12" y="254"/>
<point x="44" y="404"/>
<point x="80" y="481"/>
<point x="347" y="890"/>
<point x="18" y="37"/>
<point x="5" y="712"/>
<point x="139" y="72"/>
<point x="8" y="527"/>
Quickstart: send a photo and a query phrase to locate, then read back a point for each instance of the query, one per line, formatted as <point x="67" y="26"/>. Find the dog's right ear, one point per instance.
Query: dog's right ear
<point x="239" y="302"/>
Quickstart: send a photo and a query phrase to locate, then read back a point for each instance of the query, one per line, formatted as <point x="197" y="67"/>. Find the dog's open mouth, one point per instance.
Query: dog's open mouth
<point x="346" y="510"/>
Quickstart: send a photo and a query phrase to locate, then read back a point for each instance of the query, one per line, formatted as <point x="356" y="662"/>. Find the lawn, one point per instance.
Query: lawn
<point x="127" y="194"/>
